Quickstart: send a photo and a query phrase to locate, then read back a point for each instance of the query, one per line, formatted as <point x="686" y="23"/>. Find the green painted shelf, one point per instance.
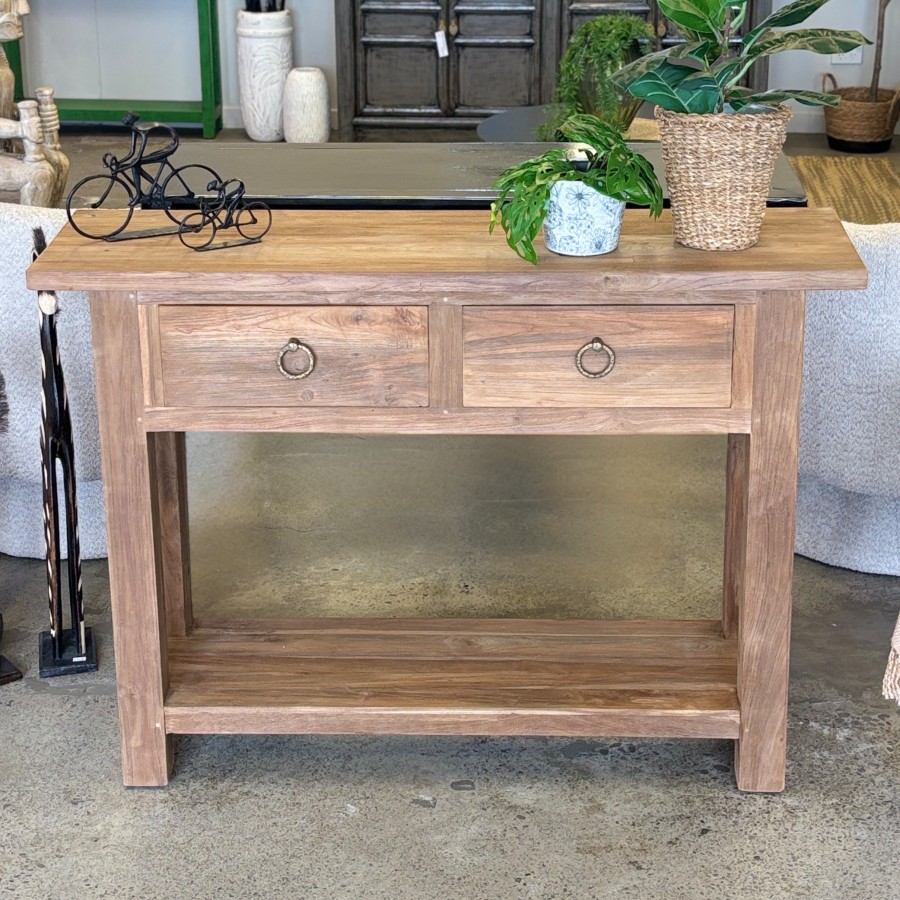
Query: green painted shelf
<point x="206" y="112"/>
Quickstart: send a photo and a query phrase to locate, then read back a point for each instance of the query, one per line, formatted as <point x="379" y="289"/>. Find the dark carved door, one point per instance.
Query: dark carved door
<point x="393" y="78"/>
<point x="495" y="55"/>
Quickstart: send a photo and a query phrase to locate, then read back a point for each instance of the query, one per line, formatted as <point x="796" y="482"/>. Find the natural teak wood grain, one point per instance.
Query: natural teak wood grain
<point x="664" y="356"/>
<point x="432" y="252"/>
<point x="422" y="324"/>
<point x="132" y="535"/>
<point x="227" y="356"/>
<point x="768" y="481"/>
<point x="642" y="678"/>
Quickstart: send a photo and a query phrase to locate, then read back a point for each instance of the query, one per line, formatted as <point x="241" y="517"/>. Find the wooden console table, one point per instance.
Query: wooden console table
<point x="418" y="322"/>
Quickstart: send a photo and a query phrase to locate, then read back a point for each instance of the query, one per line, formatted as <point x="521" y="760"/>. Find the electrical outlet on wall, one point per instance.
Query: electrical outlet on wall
<point x="852" y="57"/>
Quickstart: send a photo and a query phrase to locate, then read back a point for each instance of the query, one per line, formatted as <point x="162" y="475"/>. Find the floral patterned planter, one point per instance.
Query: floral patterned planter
<point x="581" y="221"/>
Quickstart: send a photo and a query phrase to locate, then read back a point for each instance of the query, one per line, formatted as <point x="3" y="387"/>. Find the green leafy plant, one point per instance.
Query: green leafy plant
<point x="704" y="74"/>
<point x="609" y="166"/>
<point x="598" y="49"/>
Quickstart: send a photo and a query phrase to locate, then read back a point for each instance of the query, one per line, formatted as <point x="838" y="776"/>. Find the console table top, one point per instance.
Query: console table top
<point x="333" y="250"/>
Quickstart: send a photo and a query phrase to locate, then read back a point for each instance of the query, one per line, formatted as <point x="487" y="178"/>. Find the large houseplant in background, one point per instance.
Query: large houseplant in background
<point x="867" y="116"/>
<point x="578" y="194"/>
<point x="598" y="48"/>
<point x="721" y="139"/>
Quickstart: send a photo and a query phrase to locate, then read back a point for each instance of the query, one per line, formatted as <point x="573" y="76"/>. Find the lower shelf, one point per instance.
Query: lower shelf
<point x="639" y="678"/>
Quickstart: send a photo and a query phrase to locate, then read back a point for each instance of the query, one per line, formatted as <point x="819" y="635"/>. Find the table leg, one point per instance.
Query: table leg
<point x="129" y="467"/>
<point x="171" y="481"/>
<point x="764" y="487"/>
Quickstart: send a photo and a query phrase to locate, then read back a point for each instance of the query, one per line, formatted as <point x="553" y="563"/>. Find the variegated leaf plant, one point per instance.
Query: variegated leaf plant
<point x="704" y="74"/>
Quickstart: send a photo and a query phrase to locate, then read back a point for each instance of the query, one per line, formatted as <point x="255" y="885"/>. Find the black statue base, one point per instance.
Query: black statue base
<point x="69" y="663"/>
<point x="859" y="146"/>
<point x="8" y="672"/>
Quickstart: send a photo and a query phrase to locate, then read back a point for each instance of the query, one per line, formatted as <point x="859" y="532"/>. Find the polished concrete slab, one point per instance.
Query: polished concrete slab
<point x="327" y="525"/>
<point x="298" y="524"/>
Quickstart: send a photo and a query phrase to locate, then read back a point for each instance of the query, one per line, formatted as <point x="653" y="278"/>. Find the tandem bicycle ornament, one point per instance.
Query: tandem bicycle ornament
<point x="143" y="179"/>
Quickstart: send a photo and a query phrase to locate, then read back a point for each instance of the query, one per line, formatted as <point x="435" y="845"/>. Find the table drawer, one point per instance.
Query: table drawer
<point x="229" y="355"/>
<point x="662" y="356"/>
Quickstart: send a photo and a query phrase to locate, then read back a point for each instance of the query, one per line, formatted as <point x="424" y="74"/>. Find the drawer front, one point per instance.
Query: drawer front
<point x="229" y="355"/>
<point x="664" y="356"/>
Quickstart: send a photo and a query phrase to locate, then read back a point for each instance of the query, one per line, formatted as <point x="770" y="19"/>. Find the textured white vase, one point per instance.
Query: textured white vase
<point x="307" y="113"/>
<point x="265" y="56"/>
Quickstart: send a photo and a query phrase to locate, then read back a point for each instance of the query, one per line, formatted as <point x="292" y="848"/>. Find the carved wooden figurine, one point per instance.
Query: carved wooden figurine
<point x="40" y="172"/>
<point x="63" y="651"/>
<point x="11" y="12"/>
<point x="30" y="174"/>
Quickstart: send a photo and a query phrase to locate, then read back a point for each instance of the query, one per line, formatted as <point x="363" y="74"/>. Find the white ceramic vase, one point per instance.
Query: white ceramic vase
<point x="307" y="113"/>
<point x="581" y="221"/>
<point x="265" y="56"/>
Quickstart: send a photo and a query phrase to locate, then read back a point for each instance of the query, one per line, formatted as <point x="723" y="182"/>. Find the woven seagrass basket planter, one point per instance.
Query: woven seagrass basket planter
<point x="718" y="172"/>
<point x="858" y="124"/>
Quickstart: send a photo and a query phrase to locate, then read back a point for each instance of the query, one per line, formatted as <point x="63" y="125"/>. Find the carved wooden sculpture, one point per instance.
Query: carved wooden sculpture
<point x="11" y="12"/>
<point x="40" y="172"/>
<point x="63" y="651"/>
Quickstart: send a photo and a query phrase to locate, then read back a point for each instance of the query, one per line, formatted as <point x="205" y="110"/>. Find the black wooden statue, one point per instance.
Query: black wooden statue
<point x="63" y="651"/>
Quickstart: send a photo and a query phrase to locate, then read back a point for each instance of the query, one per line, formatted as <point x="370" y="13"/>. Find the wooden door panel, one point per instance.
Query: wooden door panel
<point x="401" y="72"/>
<point x="402" y="78"/>
<point x="495" y="56"/>
<point x="494" y="78"/>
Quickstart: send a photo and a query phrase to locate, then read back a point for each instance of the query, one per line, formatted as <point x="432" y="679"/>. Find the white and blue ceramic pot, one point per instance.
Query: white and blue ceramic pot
<point x="581" y="221"/>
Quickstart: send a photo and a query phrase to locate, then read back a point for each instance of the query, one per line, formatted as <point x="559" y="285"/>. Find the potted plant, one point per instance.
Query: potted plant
<point x="598" y="48"/>
<point x="720" y="139"/>
<point x="578" y="194"/>
<point x="265" y="56"/>
<point x="867" y="116"/>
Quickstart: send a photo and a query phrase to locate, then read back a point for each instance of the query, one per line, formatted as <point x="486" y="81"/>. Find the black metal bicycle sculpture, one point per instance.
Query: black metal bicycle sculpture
<point x="227" y="209"/>
<point x="144" y="179"/>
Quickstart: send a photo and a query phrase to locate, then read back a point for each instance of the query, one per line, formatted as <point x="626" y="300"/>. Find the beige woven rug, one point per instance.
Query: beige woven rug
<point x="863" y="189"/>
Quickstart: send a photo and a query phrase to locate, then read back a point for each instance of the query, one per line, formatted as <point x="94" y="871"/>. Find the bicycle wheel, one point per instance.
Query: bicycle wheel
<point x="105" y="192"/>
<point x="197" y="230"/>
<point x="254" y="220"/>
<point x="184" y="187"/>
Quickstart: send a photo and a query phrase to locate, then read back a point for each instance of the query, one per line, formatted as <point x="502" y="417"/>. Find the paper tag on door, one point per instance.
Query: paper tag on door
<point x="440" y="38"/>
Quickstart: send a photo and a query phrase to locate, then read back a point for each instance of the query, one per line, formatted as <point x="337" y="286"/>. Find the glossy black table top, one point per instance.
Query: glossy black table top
<point x="402" y="175"/>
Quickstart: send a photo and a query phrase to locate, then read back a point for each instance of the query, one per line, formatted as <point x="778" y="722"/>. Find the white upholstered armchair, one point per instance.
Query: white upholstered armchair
<point x="848" y="511"/>
<point x="21" y="498"/>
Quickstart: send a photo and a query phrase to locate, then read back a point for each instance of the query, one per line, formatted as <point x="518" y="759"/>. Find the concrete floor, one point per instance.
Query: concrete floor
<point x="285" y="524"/>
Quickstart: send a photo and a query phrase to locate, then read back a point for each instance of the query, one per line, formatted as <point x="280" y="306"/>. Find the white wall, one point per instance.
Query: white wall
<point x="140" y="50"/>
<point x="147" y="49"/>
<point x="803" y="71"/>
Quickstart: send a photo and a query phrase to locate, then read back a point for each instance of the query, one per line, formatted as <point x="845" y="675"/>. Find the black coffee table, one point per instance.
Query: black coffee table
<point x="394" y="176"/>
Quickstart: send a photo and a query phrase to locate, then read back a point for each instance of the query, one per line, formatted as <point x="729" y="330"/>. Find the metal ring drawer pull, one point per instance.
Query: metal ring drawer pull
<point x="292" y="347"/>
<point x="597" y="346"/>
